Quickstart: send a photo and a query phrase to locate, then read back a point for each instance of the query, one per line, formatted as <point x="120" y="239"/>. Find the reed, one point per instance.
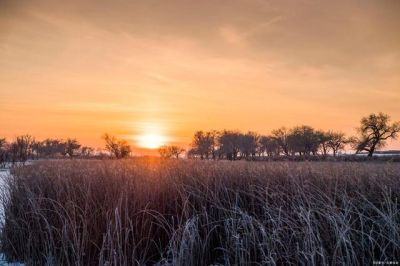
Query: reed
<point x="183" y="212"/>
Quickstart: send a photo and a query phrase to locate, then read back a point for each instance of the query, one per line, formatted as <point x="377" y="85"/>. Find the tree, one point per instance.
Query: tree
<point x="204" y="144"/>
<point x="374" y="130"/>
<point x="324" y="138"/>
<point x="49" y="148"/>
<point x="268" y="145"/>
<point x="118" y="148"/>
<point x="3" y="152"/>
<point x="164" y="152"/>
<point x="249" y="144"/>
<point x="281" y="137"/>
<point x="336" y="141"/>
<point x="3" y="143"/>
<point x="176" y="151"/>
<point x="86" y="151"/>
<point x="71" y="145"/>
<point x="170" y="151"/>
<point x="304" y="140"/>
<point x="22" y="148"/>
<point x="36" y="148"/>
<point x="229" y="144"/>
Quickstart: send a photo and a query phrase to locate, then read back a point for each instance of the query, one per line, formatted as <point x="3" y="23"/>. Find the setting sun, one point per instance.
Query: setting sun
<point x="151" y="141"/>
<point x="150" y="134"/>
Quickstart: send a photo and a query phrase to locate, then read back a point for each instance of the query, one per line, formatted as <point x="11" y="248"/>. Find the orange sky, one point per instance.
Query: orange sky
<point x="133" y="68"/>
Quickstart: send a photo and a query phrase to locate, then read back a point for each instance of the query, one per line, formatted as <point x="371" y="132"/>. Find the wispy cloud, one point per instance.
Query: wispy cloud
<point x="197" y="64"/>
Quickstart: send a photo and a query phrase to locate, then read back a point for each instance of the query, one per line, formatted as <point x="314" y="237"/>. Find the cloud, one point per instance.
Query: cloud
<point x="198" y="63"/>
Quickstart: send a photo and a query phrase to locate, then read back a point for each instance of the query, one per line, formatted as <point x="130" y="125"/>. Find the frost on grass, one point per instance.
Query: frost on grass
<point x="170" y="212"/>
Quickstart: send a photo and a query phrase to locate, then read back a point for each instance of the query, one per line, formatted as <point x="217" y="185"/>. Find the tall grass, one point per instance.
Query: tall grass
<point x="171" y="212"/>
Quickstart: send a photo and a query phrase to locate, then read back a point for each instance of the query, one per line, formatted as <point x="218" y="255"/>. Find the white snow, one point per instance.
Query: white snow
<point x="4" y="173"/>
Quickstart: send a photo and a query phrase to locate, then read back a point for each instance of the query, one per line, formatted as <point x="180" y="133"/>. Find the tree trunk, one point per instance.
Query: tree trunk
<point x="371" y="150"/>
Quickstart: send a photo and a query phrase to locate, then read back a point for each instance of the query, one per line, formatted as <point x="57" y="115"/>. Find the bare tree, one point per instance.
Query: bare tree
<point x="3" y="143"/>
<point x="86" y="151"/>
<point x="170" y="151"/>
<point x="229" y="144"/>
<point x="164" y="152"/>
<point x="324" y="138"/>
<point x="22" y="148"/>
<point x="3" y="152"/>
<point x="176" y="151"/>
<point x="374" y="131"/>
<point x="118" y="148"/>
<point x="204" y="144"/>
<point x="281" y="137"/>
<point x="268" y="145"/>
<point x="336" y="141"/>
<point x="36" y="148"/>
<point x="249" y="144"/>
<point x="71" y="145"/>
<point x="50" y="148"/>
<point x="304" y="140"/>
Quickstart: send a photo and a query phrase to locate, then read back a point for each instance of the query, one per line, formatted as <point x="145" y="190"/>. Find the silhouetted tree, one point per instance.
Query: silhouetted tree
<point x="204" y="144"/>
<point x="374" y="131"/>
<point x="3" y="152"/>
<point x="86" y="151"/>
<point x="118" y="148"/>
<point x="3" y="143"/>
<point x="50" y="148"/>
<point x="176" y="151"/>
<point x="324" y="138"/>
<point x="22" y="148"/>
<point x="170" y="151"/>
<point x="36" y="148"/>
<point x="71" y="145"/>
<point x="281" y="137"/>
<point x="229" y="144"/>
<point x="164" y="152"/>
<point x="268" y="145"/>
<point x="304" y="140"/>
<point x="249" y="144"/>
<point x="336" y="141"/>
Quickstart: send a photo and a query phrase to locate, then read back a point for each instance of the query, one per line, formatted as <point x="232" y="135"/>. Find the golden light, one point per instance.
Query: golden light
<point x="150" y="134"/>
<point x="151" y="141"/>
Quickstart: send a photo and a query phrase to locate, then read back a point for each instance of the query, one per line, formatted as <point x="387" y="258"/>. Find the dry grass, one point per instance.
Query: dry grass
<point x="172" y="212"/>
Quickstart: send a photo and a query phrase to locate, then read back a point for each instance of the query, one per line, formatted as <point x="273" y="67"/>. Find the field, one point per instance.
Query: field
<point x="192" y="212"/>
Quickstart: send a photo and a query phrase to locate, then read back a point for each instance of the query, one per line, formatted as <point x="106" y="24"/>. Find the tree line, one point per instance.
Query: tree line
<point x="234" y="145"/>
<point x="372" y="134"/>
<point x="26" y="147"/>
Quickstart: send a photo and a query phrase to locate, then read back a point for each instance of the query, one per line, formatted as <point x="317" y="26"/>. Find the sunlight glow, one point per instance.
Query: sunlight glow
<point x="150" y="134"/>
<point x="151" y="141"/>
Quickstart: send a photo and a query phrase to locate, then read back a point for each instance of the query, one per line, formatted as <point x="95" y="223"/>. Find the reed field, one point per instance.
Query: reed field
<point x="148" y="211"/>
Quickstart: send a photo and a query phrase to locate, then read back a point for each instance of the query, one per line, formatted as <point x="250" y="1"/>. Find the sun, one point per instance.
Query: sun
<point x="151" y="141"/>
<point x="150" y="134"/>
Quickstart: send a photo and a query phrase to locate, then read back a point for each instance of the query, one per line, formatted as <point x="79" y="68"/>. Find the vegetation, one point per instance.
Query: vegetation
<point x="187" y="212"/>
<point x="25" y="147"/>
<point x="298" y="141"/>
<point x="374" y="131"/>
<point x="301" y="141"/>
<point x="170" y="151"/>
<point x="118" y="148"/>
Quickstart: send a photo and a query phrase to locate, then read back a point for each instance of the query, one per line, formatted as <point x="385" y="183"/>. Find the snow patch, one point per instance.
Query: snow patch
<point x="4" y="173"/>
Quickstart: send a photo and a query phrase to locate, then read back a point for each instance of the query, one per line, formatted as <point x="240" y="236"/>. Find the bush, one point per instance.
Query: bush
<point x="183" y="212"/>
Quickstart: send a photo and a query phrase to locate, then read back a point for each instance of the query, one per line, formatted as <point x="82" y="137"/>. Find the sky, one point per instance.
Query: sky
<point x="157" y="71"/>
